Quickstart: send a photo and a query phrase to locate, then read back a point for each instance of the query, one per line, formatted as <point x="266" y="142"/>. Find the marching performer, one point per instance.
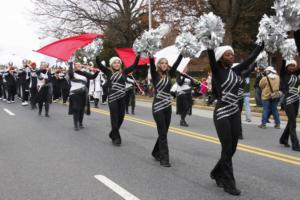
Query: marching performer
<point x="1" y="83"/>
<point x="116" y="78"/>
<point x="130" y="93"/>
<point x="24" y="77"/>
<point x="11" y="84"/>
<point x="184" y="99"/>
<point x="162" y="108"/>
<point x="33" y="85"/>
<point x="79" y="101"/>
<point x="95" y="89"/>
<point x="227" y="119"/>
<point x="4" y="88"/>
<point x="43" y="95"/>
<point x="289" y="84"/>
<point x="63" y="84"/>
<point x="56" y="86"/>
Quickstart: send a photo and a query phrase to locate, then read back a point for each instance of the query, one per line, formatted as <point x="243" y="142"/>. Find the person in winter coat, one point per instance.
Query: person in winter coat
<point x="270" y="82"/>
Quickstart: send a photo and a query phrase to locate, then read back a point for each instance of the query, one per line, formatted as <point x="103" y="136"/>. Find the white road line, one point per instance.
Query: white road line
<point x="116" y="188"/>
<point x="9" y="112"/>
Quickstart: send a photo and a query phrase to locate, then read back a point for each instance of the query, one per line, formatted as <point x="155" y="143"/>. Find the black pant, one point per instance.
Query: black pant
<point x="130" y="99"/>
<point x="40" y="103"/>
<point x="211" y="98"/>
<point x="56" y="92"/>
<point x="1" y="91"/>
<point x="241" y="104"/>
<point x="11" y="91"/>
<point x="117" y="114"/>
<point x="4" y="91"/>
<point x="65" y="94"/>
<point x="162" y="119"/>
<point x="78" y="117"/>
<point x="291" y="111"/>
<point x="184" y="105"/>
<point x="33" y="93"/>
<point x="25" y="91"/>
<point x="19" y="89"/>
<point x="228" y="130"/>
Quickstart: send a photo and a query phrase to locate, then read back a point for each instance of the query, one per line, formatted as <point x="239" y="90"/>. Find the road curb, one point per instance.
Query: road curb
<point x="283" y="117"/>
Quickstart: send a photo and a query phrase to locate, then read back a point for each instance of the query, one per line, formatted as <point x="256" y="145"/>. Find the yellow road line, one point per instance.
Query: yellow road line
<point x="246" y="148"/>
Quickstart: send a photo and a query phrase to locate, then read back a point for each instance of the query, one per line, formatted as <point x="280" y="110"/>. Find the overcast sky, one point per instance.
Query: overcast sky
<point x="18" y="32"/>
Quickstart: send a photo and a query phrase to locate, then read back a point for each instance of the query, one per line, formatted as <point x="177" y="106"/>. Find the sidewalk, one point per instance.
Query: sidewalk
<point x="256" y="116"/>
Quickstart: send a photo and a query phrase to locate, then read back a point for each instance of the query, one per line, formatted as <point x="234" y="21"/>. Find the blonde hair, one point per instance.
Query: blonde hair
<point x="158" y="69"/>
<point x="112" y="61"/>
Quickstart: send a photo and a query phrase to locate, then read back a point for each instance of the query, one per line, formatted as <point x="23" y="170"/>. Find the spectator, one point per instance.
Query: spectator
<point x="269" y="84"/>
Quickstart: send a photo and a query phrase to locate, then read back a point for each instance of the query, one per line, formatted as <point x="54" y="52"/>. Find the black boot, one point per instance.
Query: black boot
<point x="218" y="181"/>
<point x="165" y="163"/>
<point x="96" y="103"/>
<point x="156" y="156"/>
<point x="183" y="123"/>
<point x="285" y="144"/>
<point x="117" y="142"/>
<point x="232" y="191"/>
<point x="81" y="126"/>
<point x="296" y="148"/>
<point x="75" y="120"/>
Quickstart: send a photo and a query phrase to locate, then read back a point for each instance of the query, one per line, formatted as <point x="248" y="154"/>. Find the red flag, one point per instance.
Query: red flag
<point x="63" y="49"/>
<point x="127" y="55"/>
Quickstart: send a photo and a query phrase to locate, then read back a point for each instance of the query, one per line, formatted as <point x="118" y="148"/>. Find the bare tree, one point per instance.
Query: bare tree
<point x="60" y="18"/>
<point x="175" y="11"/>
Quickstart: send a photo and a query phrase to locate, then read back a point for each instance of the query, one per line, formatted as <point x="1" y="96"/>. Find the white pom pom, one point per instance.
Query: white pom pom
<point x="150" y="41"/>
<point x="163" y="30"/>
<point x="271" y="32"/>
<point x="289" y="49"/>
<point x="188" y="24"/>
<point x="187" y="44"/>
<point x="289" y="12"/>
<point x="262" y="59"/>
<point x="210" y="30"/>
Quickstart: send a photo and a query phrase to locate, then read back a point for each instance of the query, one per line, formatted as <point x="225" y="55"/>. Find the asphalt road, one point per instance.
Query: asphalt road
<point x="44" y="159"/>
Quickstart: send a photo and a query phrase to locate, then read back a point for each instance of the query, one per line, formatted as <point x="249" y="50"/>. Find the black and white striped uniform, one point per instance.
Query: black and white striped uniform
<point x="292" y="94"/>
<point x="289" y="85"/>
<point x="184" y="99"/>
<point x="162" y="109"/>
<point x="227" y="119"/>
<point x="230" y="97"/>
<point x="162" y="97"/>
<point x="79" y="101"/>
<point x="116" y="94"/>
<point x="117" y="89"/>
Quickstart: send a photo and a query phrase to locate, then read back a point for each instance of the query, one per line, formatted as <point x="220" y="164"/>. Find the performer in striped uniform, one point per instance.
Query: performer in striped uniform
<point x="43" y="96"/>
<point x="289" y="85"/>
<point x="79" y="101"/>
<point x="116" y="78"/>
<point x="130" y="94"/>
<point x="225" y="83"/>
<point x="161" y="108"/>
<point x="184" y="101"/>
